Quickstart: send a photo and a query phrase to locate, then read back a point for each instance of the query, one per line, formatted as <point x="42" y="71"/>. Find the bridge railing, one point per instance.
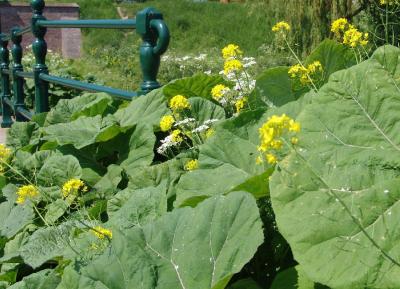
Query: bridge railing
<point x="149" y="24"/>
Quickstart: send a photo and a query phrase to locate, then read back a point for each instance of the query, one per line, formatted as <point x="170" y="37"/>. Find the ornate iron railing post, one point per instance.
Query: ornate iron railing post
<point x="18" y="82"/>
<point x="155" y="34"/>
<point x="39" y="47"/>
<point x="5" y="82"/>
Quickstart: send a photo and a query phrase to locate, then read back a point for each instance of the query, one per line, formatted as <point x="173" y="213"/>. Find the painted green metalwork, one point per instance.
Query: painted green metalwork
<point x="18" y="82"/>
<point x="149" y="28"/>
<point x="149" y="24"/>
<point x="105" y="24"/>
<point x="5" y="83"/>
<point x="39" y="47"/>
<point x="125" y="95"/>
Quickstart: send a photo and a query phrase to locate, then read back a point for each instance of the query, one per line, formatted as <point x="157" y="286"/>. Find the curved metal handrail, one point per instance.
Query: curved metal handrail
<point x="163" y="36"/>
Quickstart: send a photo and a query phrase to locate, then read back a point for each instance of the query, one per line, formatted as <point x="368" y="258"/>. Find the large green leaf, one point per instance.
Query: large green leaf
<point x="88" y="104"/>
<point x="199" y="85"/>
<point x="333" y="56"/>
<point x="71" y="279"/>
<point x="227" y="161"/>
<point x="137" y="208"/>
<point x="45" y="244"/>
<point x="196" y="248"/>
<point x="13" y="218"/>
<point x="140" y="148"/>
<point x="45" y="279"/>
<point x="58" y="169"/>
<point x="82" y="131"/>
<point x="152" y="176"/>
<point x="337" y="197"/>
<point x="286" y="279"/>
<point x="146" y="109"/>
<point x="246" y="284"/>
<point x="20" y="134"/>
<point x="18" y="217"/>
<point x="274" y="87"/>
<point x="108" y="184"/>
<point x="202" y="110"/>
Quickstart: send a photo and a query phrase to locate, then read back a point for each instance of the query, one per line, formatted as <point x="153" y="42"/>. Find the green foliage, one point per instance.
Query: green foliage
<point x="337" y="193"/>
<point x="213" y="252"/>
<point x="143" y="217"/>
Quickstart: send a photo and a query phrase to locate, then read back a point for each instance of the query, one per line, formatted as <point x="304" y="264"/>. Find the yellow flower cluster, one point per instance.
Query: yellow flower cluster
<point x="191" y="165"/>
<point x="101" y="232"/>
<point x="349" y="33"/>
<point x="26" y="192"/>
<point x="305" y="74"/>
<point x="281" y="26"/>
<point x="353" y="37"/>
<point x="176" y="136"/>
<point x="240" y="103"/>
<point x="73" y="187"/>
<point x="179" y="102"/>
<point x="166" y="122"/>
<point x="339" y="25"/>
<point x="5" y="153"/>
<point x="232" y="65"/>
<point x="231" y="51"/>
<point x="218" y="91"/>
<point x="271" y="134"/>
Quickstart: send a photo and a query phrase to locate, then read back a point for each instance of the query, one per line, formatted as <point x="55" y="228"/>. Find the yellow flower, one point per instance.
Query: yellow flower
<point x="314" y="67"/>
<point x="281" y="26"/>
<point x="25" y="192"/>
<point x="177" y="136"/>
<point x="219" y="91"/>
<point x="353" y="37"/>
<point x="231" y="51"/>
<point x="5" y="153"/>
<point x="294" y="140"/>
<point x="271" y="158"/>
<point x="179" y="102"/>
<point x="101" y="232"/>
<point x="275" y="127"/>
<point x="210" y="132"/>
<point x="294" y="126"/>
<point x="72" y="187"/>
<point x="339" y="25"/>
<point x="191" y="165"/>
<point x="232" y="65"/>
<point x="296" y="70"/>
<point x="239" y="104"/>
<point x="305" y="74"/>
<point x="166" y="122"/>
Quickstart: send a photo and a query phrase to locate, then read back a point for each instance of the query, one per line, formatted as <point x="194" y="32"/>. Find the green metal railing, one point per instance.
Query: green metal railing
<point x="149" y="24"/>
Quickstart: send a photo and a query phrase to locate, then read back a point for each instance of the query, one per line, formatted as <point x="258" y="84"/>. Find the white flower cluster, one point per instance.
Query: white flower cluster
<point x="185" y="121"/>
<point x="205" y="126"/>
<point x="166" y="143"/>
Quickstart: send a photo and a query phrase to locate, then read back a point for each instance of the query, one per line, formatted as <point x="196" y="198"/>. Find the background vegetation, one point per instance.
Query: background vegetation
<point x="111" y="56"/>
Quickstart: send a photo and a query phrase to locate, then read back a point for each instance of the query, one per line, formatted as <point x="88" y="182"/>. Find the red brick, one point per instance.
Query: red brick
<point x="13" y="14"/>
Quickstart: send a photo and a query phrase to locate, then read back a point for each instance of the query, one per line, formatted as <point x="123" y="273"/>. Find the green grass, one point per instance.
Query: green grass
<point x="200" y="26"/>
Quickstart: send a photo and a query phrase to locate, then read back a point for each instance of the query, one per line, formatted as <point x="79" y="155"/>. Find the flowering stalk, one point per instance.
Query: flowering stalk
<point x="281" y="29"/>
<point x="234" y="99"/>
<point x="182" y="128"/>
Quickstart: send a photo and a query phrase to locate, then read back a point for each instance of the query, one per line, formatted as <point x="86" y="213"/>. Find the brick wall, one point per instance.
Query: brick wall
<point x="65" y="41"/>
